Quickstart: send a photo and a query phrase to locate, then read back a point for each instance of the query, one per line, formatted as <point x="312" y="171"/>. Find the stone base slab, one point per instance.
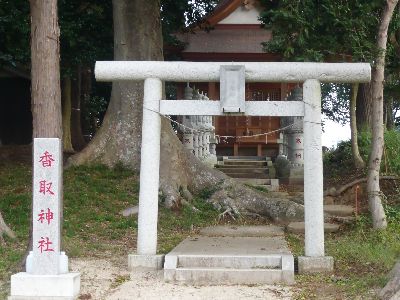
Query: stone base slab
<point x="321" y="264"/>
<point x="153" y="262"/>
<point x="26" y="286"/>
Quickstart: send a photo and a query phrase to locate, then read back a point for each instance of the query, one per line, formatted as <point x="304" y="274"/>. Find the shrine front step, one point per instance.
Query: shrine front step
<point x="225" y="276"/>
<point x="207" y="260"/>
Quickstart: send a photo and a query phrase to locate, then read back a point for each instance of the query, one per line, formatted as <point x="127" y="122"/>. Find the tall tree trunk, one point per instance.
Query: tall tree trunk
<point x="373" y="188"/>
<point x="45" y="71"/>
<point x="86" y="90"/>
<point x="66" y="115"/>
<point x="78" y="142"/>
<point x="357" y="159"/>
<point x="364" y="107"/>
<point x="389" y="118"/>
<point x="137" y="36"/>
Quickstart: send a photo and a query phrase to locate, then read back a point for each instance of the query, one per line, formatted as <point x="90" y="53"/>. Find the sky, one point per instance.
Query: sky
<point x="334" y="133"/>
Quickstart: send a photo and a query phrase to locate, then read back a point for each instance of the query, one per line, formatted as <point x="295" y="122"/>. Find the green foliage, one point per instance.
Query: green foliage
<point x="339" y="159"/>
<point x="392" y="152"/>
<point x="86" y="33"/>
<point x="336" y="101"/>
<point x="328" y="30"/>
<point x="319" y="30"/>
<point x="95" y="108"/>
<point x="14" y="32"/>
<point x="177" y="15"/>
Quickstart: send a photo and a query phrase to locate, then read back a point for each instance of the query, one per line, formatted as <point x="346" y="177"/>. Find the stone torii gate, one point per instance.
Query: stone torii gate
<point x="232" y="78"/>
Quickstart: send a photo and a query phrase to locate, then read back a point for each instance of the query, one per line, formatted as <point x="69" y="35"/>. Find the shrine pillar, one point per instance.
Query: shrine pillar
<point x="149" y="180"/>
<point x="314" y="258"/>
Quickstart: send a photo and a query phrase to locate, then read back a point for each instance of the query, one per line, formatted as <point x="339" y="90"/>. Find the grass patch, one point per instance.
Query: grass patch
<point x="363" y="258"/>
<point x="174" y="226"/>
<point x="94" y="196"/>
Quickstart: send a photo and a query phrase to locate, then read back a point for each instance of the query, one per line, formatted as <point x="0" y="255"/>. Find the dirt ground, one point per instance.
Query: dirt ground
<point x="110" y="280"/>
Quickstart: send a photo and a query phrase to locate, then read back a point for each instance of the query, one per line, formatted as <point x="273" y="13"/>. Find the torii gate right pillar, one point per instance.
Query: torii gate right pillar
<point x="314" y="259"/>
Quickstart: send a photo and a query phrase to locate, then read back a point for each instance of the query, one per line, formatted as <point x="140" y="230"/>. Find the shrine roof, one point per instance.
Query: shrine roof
<point x="223" y="9"/>
<point x="235" y="28"/>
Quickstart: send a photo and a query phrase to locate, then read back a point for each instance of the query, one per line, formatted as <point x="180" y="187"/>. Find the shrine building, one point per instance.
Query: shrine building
<point x="236" y="35"/>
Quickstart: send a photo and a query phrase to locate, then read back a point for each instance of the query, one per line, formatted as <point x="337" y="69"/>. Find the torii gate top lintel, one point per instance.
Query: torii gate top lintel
<point x="179" y="71"/>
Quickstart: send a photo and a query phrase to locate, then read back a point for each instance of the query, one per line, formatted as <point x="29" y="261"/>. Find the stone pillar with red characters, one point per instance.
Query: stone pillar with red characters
<point x="47" y="275"/>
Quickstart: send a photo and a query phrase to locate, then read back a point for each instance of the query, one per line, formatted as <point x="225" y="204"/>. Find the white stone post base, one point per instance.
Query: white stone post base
<point x="318" y="264"/>
<point x="145" y="261"/>
<point x="26" y="286"/>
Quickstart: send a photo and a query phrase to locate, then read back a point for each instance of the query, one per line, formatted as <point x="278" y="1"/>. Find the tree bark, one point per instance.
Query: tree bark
<point x="78" y="141"/>
<point x="373" y="188"/>
<point x="137" y="36"/>
<point x="45" y="71"/>
<point x="66" y="115"/>
<point x="357" y="159"/>
<point x="364" y="107"/>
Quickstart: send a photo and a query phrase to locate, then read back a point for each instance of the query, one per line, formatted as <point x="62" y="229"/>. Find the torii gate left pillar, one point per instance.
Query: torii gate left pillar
<point x="311" y="74"/>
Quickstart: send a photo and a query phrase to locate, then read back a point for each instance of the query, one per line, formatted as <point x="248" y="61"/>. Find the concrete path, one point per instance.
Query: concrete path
<point x="103" y="279"/>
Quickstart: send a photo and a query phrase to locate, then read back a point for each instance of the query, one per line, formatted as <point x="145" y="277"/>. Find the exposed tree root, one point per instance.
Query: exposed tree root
<point x="5" y="231"/>
<point x="336" y="192"/>
<point x="238" y="199"/>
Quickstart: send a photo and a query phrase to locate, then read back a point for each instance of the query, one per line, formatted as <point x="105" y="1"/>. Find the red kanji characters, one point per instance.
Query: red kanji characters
<point x="298" y="155"/>
<point x="298" y="141"/>
<point x="44" y="245"/>
<point x="45" y="187"/>
<point x="46" y="159"/>
<point x="48" y="216"/>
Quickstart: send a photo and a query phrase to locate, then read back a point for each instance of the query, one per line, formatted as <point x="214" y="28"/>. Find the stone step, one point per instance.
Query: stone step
<point x="246" y="162"/>
<point x="258" y="158"/>
<point x="229" y="170"/>
<point x="236" y="259"/>
<point x="339" y="210"/>
<point x="298" y="227"/>
<point x="247" y="175"/>
<point x="229" y="262"/>
<point x="239" y="166"/>
<point x="224" y="276"/>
